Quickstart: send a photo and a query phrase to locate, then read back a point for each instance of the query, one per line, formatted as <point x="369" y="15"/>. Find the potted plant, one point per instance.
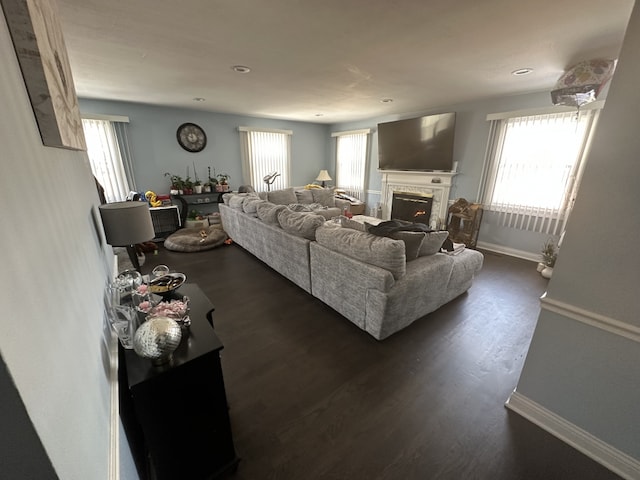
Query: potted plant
<point x="188" y="186"/>
<point x="222" y="185"/>
<point x="195" y="219"/>
<point x="177" y="184"/>
<point x="197" y="184"/>
<point x="549" y="255"/>
<point x="211" y="183"/>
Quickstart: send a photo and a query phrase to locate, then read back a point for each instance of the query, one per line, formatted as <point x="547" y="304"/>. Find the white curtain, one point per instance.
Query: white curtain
<point x="263" y="153"/>
<point x="351" y="161"/>
<point x="105" y="158"/>
<point x="534" y="166"/>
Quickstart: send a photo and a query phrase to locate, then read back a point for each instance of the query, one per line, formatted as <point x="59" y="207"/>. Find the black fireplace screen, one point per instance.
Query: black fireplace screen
<point x="411" y="206"/>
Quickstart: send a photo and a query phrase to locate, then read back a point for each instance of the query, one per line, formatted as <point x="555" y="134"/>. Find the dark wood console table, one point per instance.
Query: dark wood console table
<point x="176" y="416"/>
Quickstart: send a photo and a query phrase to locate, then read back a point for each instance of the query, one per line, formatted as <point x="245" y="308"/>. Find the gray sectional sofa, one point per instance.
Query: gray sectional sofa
<point x="381" y="284"/>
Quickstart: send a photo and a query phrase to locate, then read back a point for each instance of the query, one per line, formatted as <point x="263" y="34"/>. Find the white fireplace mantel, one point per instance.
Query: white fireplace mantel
<point x="437" y="184"/>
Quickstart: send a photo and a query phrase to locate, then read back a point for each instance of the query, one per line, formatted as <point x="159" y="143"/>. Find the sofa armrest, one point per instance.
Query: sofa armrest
<point x="341" y="203"/>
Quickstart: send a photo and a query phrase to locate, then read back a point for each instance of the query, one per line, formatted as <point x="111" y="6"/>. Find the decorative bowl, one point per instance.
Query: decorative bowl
<point x="166" y="283"/>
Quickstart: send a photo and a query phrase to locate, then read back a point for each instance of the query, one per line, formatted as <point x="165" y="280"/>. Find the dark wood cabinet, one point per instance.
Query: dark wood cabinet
<point x="176" y="416"/>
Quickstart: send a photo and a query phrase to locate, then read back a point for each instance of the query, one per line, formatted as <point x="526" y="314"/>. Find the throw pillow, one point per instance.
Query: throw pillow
<point x="299" y="207"/>
<point x="304" y="196"/>
<point x="324" y="196"/>
<point x="432" y="243"/>
<point x="382" y="252"/>
<point x="250" y="204"/>
<point x="300" y="224"/>
<point x="236" y="201"/>
<point x="412" y="242"/>
<point x="268" y="212"/>
<point x="282" y="197"/>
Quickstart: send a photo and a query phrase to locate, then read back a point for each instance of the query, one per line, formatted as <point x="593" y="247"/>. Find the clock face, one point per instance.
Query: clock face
<point x="191" y="137"/>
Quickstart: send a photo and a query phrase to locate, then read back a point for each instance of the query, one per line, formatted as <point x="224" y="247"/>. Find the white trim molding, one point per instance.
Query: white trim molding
<point x="512" y="252"/>
<point x="351" y="132"/>
<point x="268" y="130"/>
<point x="108" y="118"/>
<point x="603" y="453"/>
<point x="592" y="319"/>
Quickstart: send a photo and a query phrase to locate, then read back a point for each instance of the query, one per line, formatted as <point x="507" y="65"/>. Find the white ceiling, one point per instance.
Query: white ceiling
<point x="334" y="58"/>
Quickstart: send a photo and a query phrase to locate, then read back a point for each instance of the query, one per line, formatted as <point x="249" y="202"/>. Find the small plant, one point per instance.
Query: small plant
<point x="212" y="180"/>
<point x="177" y="183"/>
<point x="222" y="178"/>
<point x="195" y="215"/>
<point x="549" y="253"/>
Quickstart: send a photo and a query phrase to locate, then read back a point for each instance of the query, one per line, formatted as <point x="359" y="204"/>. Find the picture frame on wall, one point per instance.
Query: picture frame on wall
<point x="37" y="38"/>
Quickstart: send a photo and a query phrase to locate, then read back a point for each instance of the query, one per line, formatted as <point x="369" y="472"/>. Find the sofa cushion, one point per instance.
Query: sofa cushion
<point x="304" y="196"/>
<point x="412" y="242"/>
<point x="324" y="196"/>
<point x="327" y="212"/>
<point x="352" y="224"/>
<point x="282" y="197"/>
<point x="236" y="201"/>
<point x="268" y="212"/>
<point x="432" y="243"/>
<point x="382" y="252"/>
<point x="299" y="223"/>
<point x="250" y="204"/>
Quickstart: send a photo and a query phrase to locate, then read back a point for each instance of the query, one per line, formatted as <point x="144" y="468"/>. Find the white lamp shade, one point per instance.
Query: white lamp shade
<point x="126" y="223"/>
<point x="323" y="176"/>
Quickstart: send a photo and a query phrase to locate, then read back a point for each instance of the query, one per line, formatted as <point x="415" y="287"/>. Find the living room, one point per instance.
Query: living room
<point x="583" y="362"/>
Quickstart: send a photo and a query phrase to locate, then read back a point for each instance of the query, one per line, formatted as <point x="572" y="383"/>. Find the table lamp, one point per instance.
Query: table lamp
<point x="125" y="224"/>
<point x="323" y="176"/>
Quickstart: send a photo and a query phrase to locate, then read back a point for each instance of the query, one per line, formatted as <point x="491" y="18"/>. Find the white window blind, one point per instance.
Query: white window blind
<point x="534" y="165"/>
<point x="263" y="153"/>
<point x="106" y="161"/>
<point x="351" y="161"/>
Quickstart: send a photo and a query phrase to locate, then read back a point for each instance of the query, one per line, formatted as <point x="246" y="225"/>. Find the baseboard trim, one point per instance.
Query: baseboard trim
<point x="114" y="417"/>
<point x="593" y="319"/>
<point x="603" y="453"/>
<point x="512" y="252"/>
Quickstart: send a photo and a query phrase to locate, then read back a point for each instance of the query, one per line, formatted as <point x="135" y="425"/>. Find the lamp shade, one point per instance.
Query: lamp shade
<point x="323" y="176"/>
<point x="126" y="223"/>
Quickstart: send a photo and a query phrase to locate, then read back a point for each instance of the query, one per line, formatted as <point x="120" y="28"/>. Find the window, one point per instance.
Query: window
<point x="108" y="152"/>
<point x="351" y="161"/>
<point x="534" y="165"/>
<point x="265" y="152"/>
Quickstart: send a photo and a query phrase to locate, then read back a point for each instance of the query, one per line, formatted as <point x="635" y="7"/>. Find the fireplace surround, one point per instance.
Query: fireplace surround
<point x="436" y="184"/>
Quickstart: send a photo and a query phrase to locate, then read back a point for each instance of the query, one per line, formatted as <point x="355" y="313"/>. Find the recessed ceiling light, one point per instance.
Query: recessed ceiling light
<point x="522" y="71"/>
<point x="386" y="100"/>
<point x="240" y="69"/>
<point x="198" y="99"/>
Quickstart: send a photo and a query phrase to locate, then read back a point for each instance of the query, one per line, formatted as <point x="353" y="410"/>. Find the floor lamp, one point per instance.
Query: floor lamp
<point x="126" y="224"/>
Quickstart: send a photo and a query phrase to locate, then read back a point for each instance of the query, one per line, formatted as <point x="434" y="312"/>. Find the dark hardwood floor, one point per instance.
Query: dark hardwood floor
<point x="314" y="397"/>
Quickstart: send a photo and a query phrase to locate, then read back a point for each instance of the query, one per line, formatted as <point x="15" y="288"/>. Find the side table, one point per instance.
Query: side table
<point x="176" y="416"/>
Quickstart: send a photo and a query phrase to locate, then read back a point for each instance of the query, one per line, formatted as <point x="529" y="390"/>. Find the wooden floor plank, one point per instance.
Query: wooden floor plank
<point x="314" y="397"/>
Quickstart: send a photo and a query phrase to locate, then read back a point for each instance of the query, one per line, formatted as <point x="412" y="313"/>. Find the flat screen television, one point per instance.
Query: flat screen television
<point x="420" y="144"/>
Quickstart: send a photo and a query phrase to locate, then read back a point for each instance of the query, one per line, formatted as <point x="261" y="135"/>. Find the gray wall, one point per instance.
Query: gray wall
<point x="584" y="360"/>
<point x="54" y="268"/>
<point x="472" y="131"/>
<point x="155" y="149"/>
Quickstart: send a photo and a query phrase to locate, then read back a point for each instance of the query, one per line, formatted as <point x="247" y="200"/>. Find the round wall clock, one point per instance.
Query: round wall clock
<point x="191" y="137"/>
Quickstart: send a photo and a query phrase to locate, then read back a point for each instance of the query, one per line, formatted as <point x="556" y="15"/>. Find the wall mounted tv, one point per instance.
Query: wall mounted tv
<point x="420" y="144"/>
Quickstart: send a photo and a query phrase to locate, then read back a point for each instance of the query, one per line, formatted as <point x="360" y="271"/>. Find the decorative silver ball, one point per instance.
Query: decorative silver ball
<point x="157" y="338"/>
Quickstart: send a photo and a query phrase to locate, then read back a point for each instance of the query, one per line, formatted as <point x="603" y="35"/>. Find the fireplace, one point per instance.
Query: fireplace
<point x="436" y="184"/>
<point x="412" y="206"/>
